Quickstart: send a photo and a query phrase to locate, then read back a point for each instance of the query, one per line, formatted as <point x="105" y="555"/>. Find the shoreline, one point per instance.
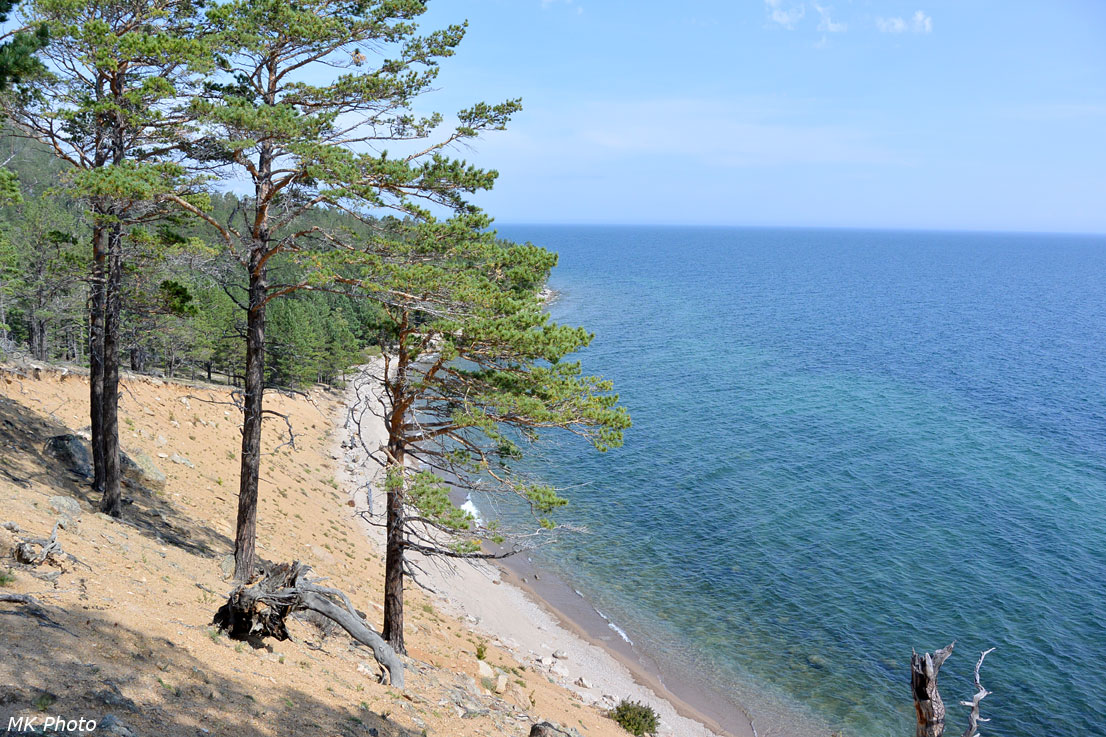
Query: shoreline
<point x="575" y="613"/>
<point x="536" y="619"/>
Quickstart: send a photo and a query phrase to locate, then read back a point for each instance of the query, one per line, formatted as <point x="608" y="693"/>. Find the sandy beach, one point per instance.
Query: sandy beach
<point x="539" y="619"/>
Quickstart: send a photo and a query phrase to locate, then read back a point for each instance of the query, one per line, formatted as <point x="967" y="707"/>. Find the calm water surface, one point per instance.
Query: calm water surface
<point x="847" y="444"/>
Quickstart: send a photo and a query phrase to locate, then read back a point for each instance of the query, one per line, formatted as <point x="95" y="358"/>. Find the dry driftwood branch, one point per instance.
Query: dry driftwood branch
<point x="259" y="609"/>
<point x="20" y="599"/>
<point x="927" y="700"/>
<point x="34" y="608"/>
<point x="980" y="693"/>
<point x="26" y="553"/>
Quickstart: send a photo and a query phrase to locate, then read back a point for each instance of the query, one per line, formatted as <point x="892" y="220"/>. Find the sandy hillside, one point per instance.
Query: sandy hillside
<point x="125" y="628"/>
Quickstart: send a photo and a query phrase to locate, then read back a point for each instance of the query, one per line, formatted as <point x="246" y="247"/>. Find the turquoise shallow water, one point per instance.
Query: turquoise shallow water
<point x="847" y="444"/>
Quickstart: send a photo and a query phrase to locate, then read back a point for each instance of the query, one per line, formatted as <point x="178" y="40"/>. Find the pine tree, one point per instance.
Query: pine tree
<point x="472" y="374"/>
<point x="301" y="115"/>
<point x="103" y="103"/>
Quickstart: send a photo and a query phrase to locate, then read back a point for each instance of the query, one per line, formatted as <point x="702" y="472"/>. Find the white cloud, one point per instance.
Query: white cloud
<point x="891" y="25"/>
<point x="918" y="23"/>
<point x="828" y="24"/>
<point x="786" y="18"/>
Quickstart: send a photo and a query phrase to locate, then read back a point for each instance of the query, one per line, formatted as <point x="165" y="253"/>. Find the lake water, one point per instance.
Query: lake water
<point x="847" y="444"/>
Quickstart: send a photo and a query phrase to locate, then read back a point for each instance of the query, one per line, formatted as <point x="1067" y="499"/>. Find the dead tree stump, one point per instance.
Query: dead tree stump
<point x="927" y="700"/>
<point x="259" y="608"/>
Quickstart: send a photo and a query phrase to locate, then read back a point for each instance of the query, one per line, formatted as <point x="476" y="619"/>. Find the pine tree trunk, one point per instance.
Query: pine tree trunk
<point x="395" y="524"/>
<point x="393" y="563"/>
<point x="246" y="530"/>
<point x="112" y="501"/>
<point x="96" y="355"/>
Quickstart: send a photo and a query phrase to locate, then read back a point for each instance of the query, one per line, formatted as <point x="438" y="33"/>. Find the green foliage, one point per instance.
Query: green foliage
<point x="636" y="718"/>
<point x="17" y="55"/>
<point x="482" y="369"/>
<point x="7" y="578"/>
<point x="481" y="650"/>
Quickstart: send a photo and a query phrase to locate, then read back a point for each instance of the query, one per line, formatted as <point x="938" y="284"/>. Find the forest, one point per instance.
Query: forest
<point x="249" y="192"/>
<point x="179" y="318"/>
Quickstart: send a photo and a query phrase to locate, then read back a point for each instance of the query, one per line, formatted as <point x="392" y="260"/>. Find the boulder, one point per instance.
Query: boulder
<point x="140" y="469"/>
<point x="66" y="506"/>
<point x="485" y="670"/>
<point x="70" y="451"/>
<point x="501" y="683"/>
<point x="560" y="655"/>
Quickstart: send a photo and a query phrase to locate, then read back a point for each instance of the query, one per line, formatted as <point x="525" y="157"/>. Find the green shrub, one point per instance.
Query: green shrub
<point x="481" y="650"/>
<point x="637" y="719"/>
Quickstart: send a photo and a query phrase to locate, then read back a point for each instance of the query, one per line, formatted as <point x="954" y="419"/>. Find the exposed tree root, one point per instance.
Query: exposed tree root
<point x="259" y="608"/>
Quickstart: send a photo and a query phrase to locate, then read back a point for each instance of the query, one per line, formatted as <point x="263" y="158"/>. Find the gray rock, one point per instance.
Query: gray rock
<point x="70" y="451"/>
<point x="65" y="506"/>
<point x="560" y="655"/>
<point x="177" y="458"/>
<point x="226" y="566"/>
<point x="139" y="468"/>
<point x="111" y="725"/>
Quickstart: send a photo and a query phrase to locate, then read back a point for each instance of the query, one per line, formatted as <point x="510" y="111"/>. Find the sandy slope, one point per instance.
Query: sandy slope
<point x="479" y="594"/>
<point x="129" y="635"/>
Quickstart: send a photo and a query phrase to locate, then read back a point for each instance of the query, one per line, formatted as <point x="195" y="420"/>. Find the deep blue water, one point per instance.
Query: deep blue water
<point x="847" y="444"/>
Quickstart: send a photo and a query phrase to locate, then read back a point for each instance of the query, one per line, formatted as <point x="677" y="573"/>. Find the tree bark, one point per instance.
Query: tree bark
<point x="96" y="351"/>
<point x="112" y="501"/>
<point x="395" y="522"/>
<point x="393" y="562"/>
<point x="928" y="705"/>
<point x="246" y="530"/>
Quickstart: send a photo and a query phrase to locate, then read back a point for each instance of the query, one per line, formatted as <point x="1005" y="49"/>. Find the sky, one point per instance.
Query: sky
<point x="952" y="114"/>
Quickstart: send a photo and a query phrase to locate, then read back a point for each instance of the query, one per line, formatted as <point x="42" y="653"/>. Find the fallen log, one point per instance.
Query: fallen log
<point x="36" y="551"/>
<point x="260" y="607"/>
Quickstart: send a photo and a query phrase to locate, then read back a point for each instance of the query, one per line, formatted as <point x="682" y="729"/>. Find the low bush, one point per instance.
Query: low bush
<point x="636" y="718"/>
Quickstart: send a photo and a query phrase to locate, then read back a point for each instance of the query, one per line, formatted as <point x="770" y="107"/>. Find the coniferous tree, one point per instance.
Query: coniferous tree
<point x="103" y="102"/>
<point x="472" y="373"/>
<point x="301" y="115"/>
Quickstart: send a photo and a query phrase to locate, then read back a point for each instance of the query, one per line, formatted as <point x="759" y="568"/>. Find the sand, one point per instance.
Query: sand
<point x="498" y="606"/>
<point x="129" y="631"/>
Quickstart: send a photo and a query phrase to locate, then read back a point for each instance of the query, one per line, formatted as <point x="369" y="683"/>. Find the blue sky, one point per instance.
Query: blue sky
<point x="961" y="114"/>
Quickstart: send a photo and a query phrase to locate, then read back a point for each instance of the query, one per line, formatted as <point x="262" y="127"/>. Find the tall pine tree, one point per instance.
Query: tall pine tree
<point x="301" y="114"/>
<point x="473" y="372"/>
<point x="104" y="102"/>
